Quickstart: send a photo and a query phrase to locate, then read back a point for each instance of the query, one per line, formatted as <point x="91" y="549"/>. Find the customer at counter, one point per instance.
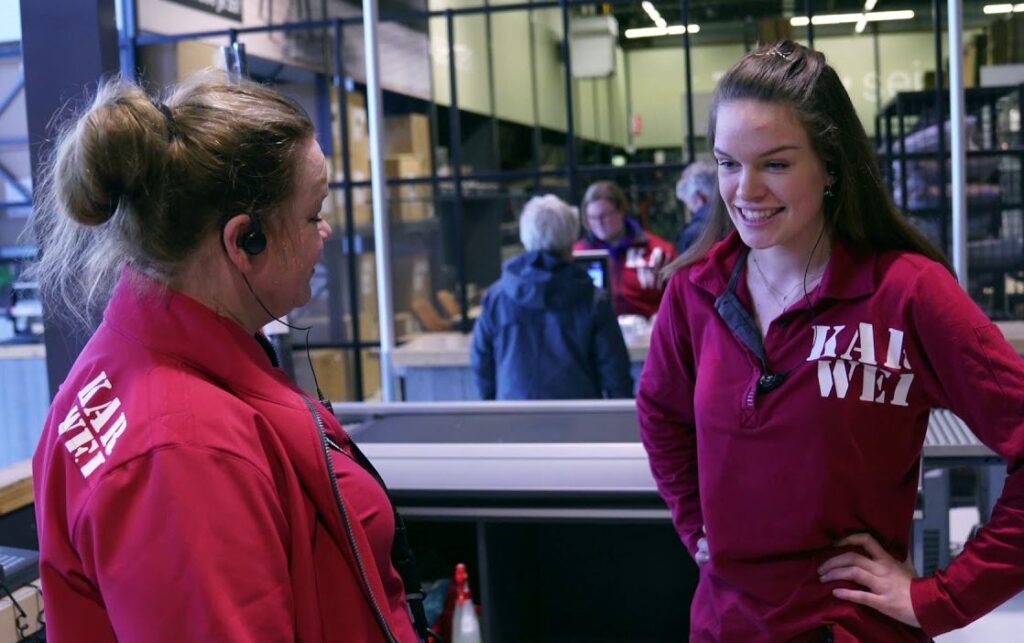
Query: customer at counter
<point x="545" y="331"/>
<point x="793" y="366"/>
<point x="696" y="190"/>
<point x="185" y="489"/>
<point x="637" y="255"/>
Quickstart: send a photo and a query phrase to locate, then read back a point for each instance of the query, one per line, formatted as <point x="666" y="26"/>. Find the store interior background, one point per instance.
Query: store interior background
<point x="631" y="109"/>
<point x="628" y="114"/>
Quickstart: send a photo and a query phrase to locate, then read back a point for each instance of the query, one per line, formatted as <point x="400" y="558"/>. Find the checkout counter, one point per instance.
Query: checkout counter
<point x="435" y="366"/>
<point x="553" y="508"/>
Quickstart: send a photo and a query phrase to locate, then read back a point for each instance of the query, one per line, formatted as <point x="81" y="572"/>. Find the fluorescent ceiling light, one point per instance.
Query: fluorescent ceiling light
<point x="651" y="32"/>
<point x="869" y="5"/>
<point x="845" y="18"/>
<point x="863" y="22"/>
<point x="1003" y="8"/>
<point x="653" y="14"/>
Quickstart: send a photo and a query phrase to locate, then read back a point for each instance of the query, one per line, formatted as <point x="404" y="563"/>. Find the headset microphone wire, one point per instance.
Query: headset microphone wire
<point x="309" y="358"/>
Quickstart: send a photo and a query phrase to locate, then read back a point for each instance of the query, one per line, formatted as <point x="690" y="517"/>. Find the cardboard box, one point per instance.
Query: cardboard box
<point x="369" y="324"/>
<point x="170" y="63"/>
<point x="412" y="202"/>
<point x="359" y="160"/>
<point x="358" y="136"/>
<point x="409" y="134"/>
<point x="335" y="370"/>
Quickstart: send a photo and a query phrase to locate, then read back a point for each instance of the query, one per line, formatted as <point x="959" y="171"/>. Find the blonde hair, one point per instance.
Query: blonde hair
<point x="134" y="181"/>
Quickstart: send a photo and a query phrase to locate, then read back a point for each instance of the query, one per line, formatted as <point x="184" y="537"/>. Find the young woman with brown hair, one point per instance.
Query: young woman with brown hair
<point x="802" y="342"/>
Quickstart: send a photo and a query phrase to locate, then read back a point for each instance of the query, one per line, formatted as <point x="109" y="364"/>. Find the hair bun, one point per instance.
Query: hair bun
<point x="115" y="152"/>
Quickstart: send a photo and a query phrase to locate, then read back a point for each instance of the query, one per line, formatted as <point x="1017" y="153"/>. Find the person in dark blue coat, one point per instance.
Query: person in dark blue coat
<point x="545" y="331"/>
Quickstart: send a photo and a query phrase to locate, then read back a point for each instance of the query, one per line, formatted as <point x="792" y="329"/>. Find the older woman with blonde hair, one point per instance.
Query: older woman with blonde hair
<point x="185" y="489"/>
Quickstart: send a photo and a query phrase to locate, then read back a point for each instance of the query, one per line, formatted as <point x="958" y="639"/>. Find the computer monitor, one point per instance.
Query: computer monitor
<point x="596" y="263"/>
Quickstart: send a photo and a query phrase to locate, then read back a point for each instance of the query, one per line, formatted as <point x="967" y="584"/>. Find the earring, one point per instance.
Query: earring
<point x="828" y="190"/>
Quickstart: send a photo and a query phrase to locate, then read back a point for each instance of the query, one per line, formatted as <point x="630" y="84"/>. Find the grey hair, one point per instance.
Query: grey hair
<point x="698" y="176"/>
<point x="548" y="224"/>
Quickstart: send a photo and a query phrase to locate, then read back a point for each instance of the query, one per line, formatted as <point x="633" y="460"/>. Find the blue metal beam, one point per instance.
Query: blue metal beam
<point x="57" y="73"/>
<point x="14" y="181"/>
<point x="6" y="101"/>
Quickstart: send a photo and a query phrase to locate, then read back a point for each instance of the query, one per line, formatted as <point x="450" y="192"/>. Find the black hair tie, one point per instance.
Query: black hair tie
<point x="172" y="126"/>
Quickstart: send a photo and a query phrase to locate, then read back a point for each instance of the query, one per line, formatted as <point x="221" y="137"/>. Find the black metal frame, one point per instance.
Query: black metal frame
<point x="130" y="39"/>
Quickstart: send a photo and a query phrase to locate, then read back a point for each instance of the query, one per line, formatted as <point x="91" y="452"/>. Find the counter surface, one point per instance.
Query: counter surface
<point x="15" y="486"/>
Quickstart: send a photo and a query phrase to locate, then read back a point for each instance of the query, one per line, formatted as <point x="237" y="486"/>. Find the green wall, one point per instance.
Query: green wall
<point x="656" y="76"/>
<point x="599" y="105"/>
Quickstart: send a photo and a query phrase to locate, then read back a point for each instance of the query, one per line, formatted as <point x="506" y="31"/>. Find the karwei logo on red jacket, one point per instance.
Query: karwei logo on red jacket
<point x="886" y="383"/>
<point x="92" y="426"/>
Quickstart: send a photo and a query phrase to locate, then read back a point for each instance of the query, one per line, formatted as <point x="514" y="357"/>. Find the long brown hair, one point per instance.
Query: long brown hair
<point x="133" y="180"/>
<point x="861" y="214"/>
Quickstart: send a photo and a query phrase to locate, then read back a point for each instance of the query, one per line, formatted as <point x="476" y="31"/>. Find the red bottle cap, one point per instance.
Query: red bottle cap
<point x="462" y="584"/>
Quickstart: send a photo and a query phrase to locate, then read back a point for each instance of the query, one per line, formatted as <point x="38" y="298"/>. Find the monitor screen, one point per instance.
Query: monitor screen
<point x="595" y="262"/>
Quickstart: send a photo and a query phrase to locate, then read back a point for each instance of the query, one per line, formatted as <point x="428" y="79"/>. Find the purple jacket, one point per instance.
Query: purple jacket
<point x="775" y="478"/>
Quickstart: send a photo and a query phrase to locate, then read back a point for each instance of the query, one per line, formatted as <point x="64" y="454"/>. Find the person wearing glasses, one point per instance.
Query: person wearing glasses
<point x="636" y="255"/>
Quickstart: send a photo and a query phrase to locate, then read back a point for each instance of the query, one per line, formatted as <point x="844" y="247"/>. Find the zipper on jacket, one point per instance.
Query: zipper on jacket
<point x="326" y="443"/>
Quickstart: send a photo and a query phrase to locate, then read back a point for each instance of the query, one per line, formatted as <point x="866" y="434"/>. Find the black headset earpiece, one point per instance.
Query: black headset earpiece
<point x="254" y="241"/>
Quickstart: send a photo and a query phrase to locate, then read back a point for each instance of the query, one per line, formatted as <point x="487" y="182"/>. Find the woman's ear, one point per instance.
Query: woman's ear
<point x="232" y="238"/>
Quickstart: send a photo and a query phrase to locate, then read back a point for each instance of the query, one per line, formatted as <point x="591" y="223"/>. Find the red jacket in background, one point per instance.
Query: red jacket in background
<point x="628" y="297"/>
<point x="774" y="479"/>
<point x="182" y="493"/>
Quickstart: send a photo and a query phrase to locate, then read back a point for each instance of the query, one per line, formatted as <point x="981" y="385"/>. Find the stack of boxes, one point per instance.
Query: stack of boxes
<point x="335" y="371"/>
<point x="358" y="158"/>
<point x="408" y="157"/>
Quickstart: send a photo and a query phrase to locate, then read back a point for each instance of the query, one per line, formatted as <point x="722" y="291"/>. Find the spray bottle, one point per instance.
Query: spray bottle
<point x="465" y="624"/>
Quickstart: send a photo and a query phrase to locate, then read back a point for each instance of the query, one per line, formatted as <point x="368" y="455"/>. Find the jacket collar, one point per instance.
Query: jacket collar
<point x="850" y="273"/>
<point x="173" y="324"/>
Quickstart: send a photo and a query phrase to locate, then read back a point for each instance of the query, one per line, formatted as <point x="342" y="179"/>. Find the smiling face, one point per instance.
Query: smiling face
<point x="296" y="241"/>
<point x="770" y="177"/>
